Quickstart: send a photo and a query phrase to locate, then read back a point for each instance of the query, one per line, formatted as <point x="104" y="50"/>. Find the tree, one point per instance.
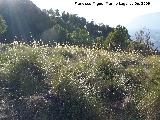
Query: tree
<point x="99" y="42"/>
<point x="3" y="25"/>
<point x="142" y="42"/>
<point x="98" y="30"/>
<point x="117" y="39"/>
<point x="76" y="30"/>
<point x="143" y="37"/>
<point x="80" y="37"/>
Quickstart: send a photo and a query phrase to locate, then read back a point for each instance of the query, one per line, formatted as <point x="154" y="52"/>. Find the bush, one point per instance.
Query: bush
<point x="75" y="105"/>
<point x="73" y="83"/>
<point x="113" y="94"/>
<point x="27" y="78"/>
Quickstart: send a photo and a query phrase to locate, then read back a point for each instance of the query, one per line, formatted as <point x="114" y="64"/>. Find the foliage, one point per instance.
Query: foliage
<point x="25" y="75"/>
<point x="25" y="20"/>
<point x="118" y="39"/>
<point x="3" y="25"/>
<point x="80" y="37"/>
<point x="74" y="73"/>
<point x="52" y="26"/>
<point x="142" y="42"/>
<point x="73" y="29"/>
<point x="71" y="82"/>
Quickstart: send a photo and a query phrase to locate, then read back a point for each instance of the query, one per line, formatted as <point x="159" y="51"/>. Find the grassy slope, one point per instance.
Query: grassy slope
<point x="88" y="83"/>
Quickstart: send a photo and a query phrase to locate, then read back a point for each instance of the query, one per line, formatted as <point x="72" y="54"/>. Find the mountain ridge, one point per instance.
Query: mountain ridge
<point x="23" y="18"/>
<point x="149" y="21"/>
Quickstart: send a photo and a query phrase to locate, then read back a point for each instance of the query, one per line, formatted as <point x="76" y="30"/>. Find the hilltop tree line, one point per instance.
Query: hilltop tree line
<point x="72" y="29"/>
<point x="24" y="21"/>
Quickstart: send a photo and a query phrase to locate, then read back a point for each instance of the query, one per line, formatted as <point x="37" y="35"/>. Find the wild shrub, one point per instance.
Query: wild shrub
<point x="27" y="78"/>
<point x="75" y="104"/>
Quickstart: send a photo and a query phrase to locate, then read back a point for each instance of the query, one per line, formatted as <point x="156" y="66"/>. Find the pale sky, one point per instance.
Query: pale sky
<point x="110" y="15"/>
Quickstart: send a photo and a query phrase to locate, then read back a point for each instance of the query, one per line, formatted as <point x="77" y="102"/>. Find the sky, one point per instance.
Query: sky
<point x="111" y="15"/>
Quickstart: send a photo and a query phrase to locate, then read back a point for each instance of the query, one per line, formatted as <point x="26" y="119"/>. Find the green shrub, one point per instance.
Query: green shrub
<point x="73" y="83"/>
<point x="75" y="105"/>
<point x="27" y="78"/>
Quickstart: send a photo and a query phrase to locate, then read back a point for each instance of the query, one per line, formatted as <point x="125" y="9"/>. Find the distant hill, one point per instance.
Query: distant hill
<point x="24" y="19"/>
<point x="149" y="21"/>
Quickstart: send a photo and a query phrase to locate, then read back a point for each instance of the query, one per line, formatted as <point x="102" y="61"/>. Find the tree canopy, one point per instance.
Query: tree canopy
<point x="119" y="38"/>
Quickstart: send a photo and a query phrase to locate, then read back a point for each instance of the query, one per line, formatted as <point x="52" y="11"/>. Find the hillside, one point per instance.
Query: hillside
<point x="24" y="20"/>
<point x="76" y="83"/>
<point x="149" y="21"/>
<point x="59" y="66"/>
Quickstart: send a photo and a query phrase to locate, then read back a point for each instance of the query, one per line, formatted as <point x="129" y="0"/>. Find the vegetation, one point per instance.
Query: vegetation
<point x="52" y="26"/>
<point x="3" y="25"/>
<point x="74" y="30"/>
<point x="118" y="39"/>
<point x="25" y="21"/>
<point x="58" y="66"/>
<point x="70" y="82"/>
